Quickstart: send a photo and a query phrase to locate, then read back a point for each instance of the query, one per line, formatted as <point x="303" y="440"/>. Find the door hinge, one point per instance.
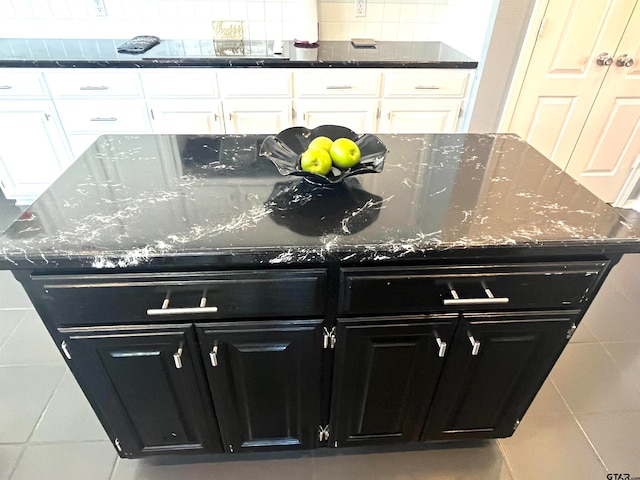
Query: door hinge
<point x="571" y="331"/>
<point x="329" y="338"/>
<point x="323" y="433"/>
<point x="65" y="350"/>
<point x="515" y="425"/>
<point x="543" y="24"/>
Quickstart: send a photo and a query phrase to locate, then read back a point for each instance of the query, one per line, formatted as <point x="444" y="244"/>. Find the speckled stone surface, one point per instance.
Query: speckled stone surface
<point x="147" y="201"/>
<point x="96" y="53"/>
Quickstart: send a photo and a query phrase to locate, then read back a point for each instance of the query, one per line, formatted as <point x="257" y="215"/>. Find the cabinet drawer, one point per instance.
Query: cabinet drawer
<point x="431" y="83"/>
<point x="130" y="298"/>
<point x="337" y="83"/>
<point x="22" y="84"/>
<point x="108" y="116"/>
<point x="481" y="287"/>
<point x="245" y="83"/>
<point x="183" y="83"/>
<point x="94" y="83"/>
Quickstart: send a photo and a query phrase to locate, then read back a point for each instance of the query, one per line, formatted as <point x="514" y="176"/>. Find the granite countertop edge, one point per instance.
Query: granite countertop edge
<point x="144" y="259"/>
<point x="101" y="53"/>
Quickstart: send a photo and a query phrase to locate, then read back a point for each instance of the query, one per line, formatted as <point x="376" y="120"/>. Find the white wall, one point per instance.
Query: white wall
<point x="385" y="19"/>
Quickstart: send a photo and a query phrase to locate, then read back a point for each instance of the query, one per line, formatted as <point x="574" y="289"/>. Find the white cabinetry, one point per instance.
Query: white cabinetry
<point x="423" y="100"/>
<point x="184" y="100"/>
<point x="33" y="150"/>
<point x="256" y="101"/>
<point x="345" y="97"/>
<point x="94" y="102"/>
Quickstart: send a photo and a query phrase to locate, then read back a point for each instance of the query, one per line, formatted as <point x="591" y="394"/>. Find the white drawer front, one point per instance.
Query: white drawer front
<point x="97" y="83"/>
<point x="245" y="83"/>
<point x="426" y="83"/>
<point x="22" y="84"/>
<point x="331" y="82"/>
<point x="183" y="82"/>
<point x="108" y="116"/>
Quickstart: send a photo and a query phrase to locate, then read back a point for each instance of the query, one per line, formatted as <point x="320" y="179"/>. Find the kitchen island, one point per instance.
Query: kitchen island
<point x="206" y="303"/>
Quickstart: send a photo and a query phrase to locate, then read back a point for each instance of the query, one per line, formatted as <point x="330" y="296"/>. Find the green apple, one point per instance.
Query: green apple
<point x="321" y="142"/>
<point x="344" y="153"/>
<point x="316" y="160"/>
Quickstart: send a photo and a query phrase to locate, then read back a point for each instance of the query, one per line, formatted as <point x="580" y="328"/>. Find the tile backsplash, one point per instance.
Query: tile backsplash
<point x="384" y="20"/>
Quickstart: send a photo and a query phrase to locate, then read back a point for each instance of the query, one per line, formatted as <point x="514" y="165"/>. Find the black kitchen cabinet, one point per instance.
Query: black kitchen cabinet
<point x="462" y="358"/>
<point x="146" y="385"/>
<point x="265" y="380"/>
<point x="495" y="367"/>
<point x="386" y="371"/>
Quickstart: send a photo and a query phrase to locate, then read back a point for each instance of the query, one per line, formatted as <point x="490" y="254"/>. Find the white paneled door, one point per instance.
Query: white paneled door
<point x="576" y="44"/>
<point x="609" y="146"/>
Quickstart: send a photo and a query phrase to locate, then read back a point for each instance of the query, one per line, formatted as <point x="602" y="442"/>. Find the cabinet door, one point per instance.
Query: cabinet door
<point x="386" y="371"/>
<point x="496" y="366"/>
<point x="419" y="116"/>
<point x="147" y="386"/>
<point x="33" y="150"/>
<point x="265" y="381"/>
<point x="186" y="116"/>
<point x="257" y="116"/>
<point x="358" y="115"/>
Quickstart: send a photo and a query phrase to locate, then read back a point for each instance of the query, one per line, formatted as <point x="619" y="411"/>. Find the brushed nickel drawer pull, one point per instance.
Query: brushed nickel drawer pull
<point x="489" y="300"/>
<point x="426" y="87"/>
<point x="339" y="87"/>
<point x="5" y="87"/>
<point x="103" y="119"/>
<point x="92" y="87"/>
<point x="165" y="310"/>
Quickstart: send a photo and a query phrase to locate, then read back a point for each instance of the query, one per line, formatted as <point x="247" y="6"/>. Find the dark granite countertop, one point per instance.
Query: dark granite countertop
<point x="95" y="53"/>
<point x="135" y="202"/>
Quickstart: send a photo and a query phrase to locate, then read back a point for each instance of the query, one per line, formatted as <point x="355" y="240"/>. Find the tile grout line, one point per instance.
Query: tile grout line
<point x="46" y="407"/>
<point x="18" y="460"/>
<point x="113" y="467"/>
<point x="14" y="330"/>
<point x="506" y="460"/>
<point x="591" y="443"/>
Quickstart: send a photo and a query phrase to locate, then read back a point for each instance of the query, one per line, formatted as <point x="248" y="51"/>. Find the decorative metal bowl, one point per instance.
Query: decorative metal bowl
<point x="286" y="148"/>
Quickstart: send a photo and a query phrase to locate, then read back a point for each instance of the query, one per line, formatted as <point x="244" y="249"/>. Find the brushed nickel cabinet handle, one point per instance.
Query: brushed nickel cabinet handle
<point x="426" y="87"/>
<point x="5" y="87"/>
<point x="339" y="87"/>
<point x="94" y="87"/>
<point x="103" y="119"/>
